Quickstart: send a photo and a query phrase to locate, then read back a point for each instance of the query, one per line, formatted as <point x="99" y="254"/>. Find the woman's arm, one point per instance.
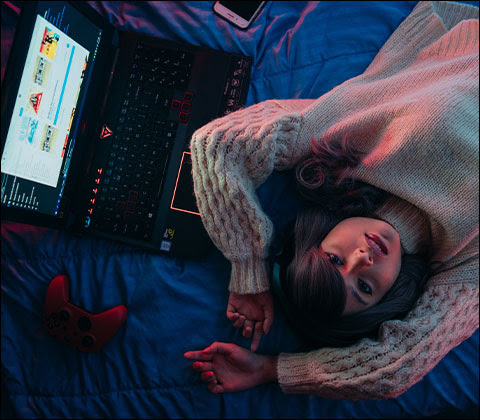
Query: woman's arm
<point x="231" y="157"/>
<point x="445" y="315"/>
<point x="420" y="131"/>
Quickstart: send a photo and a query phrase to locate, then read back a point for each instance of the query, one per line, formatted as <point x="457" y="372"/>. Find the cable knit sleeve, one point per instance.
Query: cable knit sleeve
<point x="231" y="157"/>
<point x="445" y="315"/>
<point x="435" y="46"/>
<point x="414" y="112"/>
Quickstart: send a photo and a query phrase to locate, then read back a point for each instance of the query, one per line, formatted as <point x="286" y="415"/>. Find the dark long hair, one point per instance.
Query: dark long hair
<point x="312" y="285"/>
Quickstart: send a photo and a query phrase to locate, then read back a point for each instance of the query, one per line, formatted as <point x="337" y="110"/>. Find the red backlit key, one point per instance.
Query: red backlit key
<point x="188" y="97"/>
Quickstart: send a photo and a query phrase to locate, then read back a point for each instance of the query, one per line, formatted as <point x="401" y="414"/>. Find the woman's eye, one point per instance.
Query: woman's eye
<point x="334" y="259"/>
<point x="364" y="287"/>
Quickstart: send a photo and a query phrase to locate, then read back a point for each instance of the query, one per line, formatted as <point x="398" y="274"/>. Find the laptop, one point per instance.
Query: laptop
<point x="96" y="125"/>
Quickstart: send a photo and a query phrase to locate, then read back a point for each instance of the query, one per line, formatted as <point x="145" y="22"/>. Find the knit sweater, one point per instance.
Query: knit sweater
<point x="414" y="112"/>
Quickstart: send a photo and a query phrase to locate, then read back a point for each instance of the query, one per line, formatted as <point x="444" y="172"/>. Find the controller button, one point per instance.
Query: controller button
<point x="57" y="323"/>
<point x="64" y="315"/>
<point x="84" y="324"/>
<point x="87" y="341"/>
<point x="54" y="315"/>
<point x="50" y="325"/>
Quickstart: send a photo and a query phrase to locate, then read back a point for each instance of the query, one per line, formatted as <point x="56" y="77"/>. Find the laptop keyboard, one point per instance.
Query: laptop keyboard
<point x="130" y="185"/>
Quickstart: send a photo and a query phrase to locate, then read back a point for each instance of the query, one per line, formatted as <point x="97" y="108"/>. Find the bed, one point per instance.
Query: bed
<point x="299" y="50"/>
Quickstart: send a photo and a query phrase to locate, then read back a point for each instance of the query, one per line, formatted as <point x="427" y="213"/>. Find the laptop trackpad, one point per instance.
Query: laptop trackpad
<point x="183" y="196"/>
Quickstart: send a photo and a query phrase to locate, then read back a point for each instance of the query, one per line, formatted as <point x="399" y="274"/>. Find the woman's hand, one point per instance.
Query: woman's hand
<point x="228" y="368"/>
<point x="253" y="313"/>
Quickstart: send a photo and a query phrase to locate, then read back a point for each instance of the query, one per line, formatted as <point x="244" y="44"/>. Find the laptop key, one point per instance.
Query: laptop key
<point x="115" y="227"/>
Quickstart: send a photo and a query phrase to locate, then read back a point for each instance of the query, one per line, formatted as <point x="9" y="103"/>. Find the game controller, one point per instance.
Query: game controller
<point x="74" y="326"/>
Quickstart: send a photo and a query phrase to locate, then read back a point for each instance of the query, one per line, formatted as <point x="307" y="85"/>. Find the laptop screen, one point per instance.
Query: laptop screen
<point x="48" y="106"/>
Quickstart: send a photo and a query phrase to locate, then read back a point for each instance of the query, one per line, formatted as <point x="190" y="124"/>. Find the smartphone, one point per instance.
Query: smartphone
<point x="240" y="13"/>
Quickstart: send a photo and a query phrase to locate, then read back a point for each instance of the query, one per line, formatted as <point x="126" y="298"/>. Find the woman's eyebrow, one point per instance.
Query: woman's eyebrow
<point x="357" y="296"/>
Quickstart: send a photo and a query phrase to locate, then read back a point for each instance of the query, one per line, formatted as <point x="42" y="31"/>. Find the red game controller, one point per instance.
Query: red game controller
<point x="74" y="326"/>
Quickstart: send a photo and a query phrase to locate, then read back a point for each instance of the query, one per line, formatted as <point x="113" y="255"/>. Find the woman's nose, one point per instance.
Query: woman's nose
<point x="362" y="257"/>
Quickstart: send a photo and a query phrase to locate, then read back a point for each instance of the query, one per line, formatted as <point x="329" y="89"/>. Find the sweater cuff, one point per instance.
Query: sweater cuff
<point x="293" y="371"/>
<point x="249" y="276"/>
<point x="452" y="13"/>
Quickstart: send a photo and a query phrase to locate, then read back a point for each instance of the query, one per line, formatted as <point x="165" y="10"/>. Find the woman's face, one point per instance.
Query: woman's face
<point x="367" y="252"/>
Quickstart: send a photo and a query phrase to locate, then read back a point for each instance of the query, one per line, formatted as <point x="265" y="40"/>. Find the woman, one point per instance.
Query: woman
<point x="344" y="271"/>
<point x="413" y="114"/>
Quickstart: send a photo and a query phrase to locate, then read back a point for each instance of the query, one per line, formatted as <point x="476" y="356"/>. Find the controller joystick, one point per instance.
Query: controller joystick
<point x="74" y="326"/>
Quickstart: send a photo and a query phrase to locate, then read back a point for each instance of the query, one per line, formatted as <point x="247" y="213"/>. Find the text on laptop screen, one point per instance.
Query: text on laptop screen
<point x="41" y="136"/>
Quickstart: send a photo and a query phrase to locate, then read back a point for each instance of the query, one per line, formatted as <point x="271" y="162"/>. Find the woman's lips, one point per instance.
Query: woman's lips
<point x="376" y="243"/>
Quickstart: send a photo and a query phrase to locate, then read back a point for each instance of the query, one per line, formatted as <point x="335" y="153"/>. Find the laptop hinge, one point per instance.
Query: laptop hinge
<point x="110" y="77"/>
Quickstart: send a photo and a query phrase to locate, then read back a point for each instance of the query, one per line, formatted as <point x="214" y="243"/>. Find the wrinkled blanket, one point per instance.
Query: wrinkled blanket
<point x="299" y="50"/>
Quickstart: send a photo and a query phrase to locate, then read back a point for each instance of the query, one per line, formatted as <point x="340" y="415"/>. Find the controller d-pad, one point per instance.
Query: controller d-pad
<point x="84" y="323"/>
<point x="87" y="341"/>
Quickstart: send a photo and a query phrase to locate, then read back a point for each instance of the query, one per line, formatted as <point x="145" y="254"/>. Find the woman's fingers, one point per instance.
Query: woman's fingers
<point x="215" y="387"/>
<point x="239" y="322"/>
<point x="233" y="316"/>
<point x="257" y="335"/>
<point x="232" y="313"/>
<point x="268" y="319"/>
<point x="211" y="381"/>
<point x="198" y="354"/>
<point x="248" y="328"/>
<point x="208" y="376"/>
<point x="202" y="366"/>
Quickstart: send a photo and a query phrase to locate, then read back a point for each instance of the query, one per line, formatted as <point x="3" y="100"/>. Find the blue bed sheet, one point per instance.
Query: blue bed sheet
<point x="299" y="50"/>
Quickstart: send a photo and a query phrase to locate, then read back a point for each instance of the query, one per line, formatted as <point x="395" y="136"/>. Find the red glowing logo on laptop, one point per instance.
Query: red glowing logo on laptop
<point x="106" y="132"/>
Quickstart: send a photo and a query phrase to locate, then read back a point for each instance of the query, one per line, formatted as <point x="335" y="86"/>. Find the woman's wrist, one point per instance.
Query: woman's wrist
<point x="270" y="368"/>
